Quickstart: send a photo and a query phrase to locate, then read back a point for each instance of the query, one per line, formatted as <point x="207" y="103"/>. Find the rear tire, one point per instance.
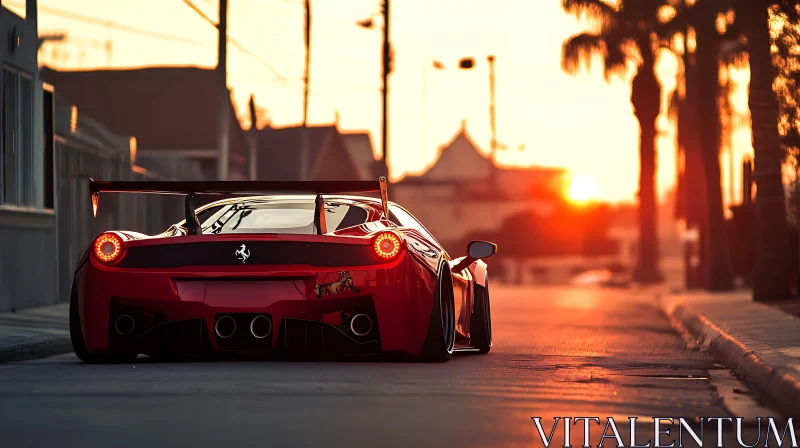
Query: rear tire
<point x="441" y="336"/>
<point x="481" y="328"/>
<point x="78" y="341"/>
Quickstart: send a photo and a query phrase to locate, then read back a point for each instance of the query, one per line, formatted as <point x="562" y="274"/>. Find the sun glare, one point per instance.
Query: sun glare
<point x="582" y="189"/>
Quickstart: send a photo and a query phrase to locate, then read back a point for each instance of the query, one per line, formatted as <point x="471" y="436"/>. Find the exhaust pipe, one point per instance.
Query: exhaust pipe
<point x="225" y="327"/>
<point x="124" y="325"/>
<point x="260" y="326"/>
<point x="361" y="325"/>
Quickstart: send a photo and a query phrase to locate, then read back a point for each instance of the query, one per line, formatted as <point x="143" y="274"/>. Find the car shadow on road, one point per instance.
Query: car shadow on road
<point x="353" y="359"/>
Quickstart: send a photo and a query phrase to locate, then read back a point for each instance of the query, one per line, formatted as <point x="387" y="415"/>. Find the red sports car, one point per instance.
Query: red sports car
<point x="301" y="270"/>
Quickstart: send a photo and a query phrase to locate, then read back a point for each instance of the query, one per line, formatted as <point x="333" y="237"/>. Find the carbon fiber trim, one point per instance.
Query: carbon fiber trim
<point x="300" y="338"/>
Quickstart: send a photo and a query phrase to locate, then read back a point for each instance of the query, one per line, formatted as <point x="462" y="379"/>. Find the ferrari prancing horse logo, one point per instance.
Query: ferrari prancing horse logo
<point x="243" y="254"/>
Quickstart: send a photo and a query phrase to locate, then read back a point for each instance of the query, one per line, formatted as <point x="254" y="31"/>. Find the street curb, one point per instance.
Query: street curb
<point x="57" y="345"/>
<point x="779" y="384"/>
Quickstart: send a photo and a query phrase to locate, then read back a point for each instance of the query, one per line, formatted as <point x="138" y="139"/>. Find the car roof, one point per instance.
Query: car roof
<point x="278" y="198"/>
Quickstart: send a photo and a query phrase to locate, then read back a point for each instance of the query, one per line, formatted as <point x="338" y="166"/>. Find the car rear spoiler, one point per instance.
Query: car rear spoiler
<point x="190" y="189"/>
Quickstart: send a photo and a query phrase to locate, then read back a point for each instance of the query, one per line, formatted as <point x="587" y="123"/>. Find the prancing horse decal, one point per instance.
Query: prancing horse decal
<point x="343" y="284"/>
<point x="243" y="254"/>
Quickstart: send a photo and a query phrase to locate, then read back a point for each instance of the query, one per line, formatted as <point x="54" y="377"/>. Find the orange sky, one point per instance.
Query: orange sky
<point x="578" y="122"/>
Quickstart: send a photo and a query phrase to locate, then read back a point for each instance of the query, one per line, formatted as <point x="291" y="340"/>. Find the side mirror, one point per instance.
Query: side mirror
<point x="481" y="249"/>
<point x="476" y="250"/>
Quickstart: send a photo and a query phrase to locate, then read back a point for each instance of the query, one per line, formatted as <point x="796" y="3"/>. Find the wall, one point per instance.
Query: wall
<point x="450" y="215"/>
<point x="27" y="258"/>
<point x="27" y="233"/>
<point x="91" y="152"/>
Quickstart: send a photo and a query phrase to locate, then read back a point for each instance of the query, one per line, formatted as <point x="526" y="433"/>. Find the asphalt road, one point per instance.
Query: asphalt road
<point x="558" y="352"/>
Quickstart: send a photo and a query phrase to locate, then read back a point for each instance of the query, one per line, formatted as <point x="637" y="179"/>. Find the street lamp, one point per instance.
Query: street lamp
<point x="386" y="57"/>
<point x="366" y="23"/>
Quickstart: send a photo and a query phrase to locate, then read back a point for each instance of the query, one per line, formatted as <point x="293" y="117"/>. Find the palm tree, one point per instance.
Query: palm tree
<point x="691" y="182"/>
<point x="701" y="103"/>
<point x="787" y="87"/>
<point x="787" y="61"/>
<point x="772" y="277"/>
<point x="625" y="35"/>
<point x="719" y="275"/>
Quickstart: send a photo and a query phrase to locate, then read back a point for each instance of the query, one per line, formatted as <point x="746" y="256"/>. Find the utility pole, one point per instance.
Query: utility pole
<point x="387" y="60"/>
<point x="424" y="111"/>
<point x="304" y="162"/>
<point x="224" y="95"/>
<point x="492" y="119"/>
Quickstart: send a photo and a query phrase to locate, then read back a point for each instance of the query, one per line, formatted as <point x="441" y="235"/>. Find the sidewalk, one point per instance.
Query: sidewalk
<point x="34" y="333"/>
<point x="759" y="343"/>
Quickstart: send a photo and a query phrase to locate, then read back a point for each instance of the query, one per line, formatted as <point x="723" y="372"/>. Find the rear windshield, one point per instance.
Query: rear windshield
<point x="280" y="217"/>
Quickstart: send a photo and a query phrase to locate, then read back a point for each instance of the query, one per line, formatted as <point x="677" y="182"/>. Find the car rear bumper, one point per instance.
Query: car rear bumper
<point x="174" y="313"/>
<point x="287" y="328"/>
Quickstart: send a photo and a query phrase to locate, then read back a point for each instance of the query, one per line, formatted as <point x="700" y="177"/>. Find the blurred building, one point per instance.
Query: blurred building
<point x="172" y="111"/>
<point x="465" y="193"/>
<point x="331" y="154"/>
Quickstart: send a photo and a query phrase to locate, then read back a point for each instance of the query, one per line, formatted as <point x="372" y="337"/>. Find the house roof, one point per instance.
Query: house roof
<point x="459" y="160"/>
<point x="279" y="150"/>
<point x="359" y="146"/>
<point x="163" y="107"/>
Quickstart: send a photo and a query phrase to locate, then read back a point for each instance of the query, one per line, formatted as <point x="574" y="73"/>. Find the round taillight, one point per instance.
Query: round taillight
<point x="386" y="245"/>
<point x="108" y="248"/>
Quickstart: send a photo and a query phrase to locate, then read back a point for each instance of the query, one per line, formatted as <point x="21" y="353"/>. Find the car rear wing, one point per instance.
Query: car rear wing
<point x="190" y="189"/>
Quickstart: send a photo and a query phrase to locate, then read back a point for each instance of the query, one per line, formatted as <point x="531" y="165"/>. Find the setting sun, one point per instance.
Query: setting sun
<point x="582" y="188"/>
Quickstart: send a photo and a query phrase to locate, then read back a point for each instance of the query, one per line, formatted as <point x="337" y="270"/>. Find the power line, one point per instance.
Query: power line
<point x="287" y="2"/>
<point x="348" y="20"/>
<point x="111" y="24"/>
<point x="296" y="81"/>
<point x="200" y="12"/>
<point x="154" y="34"/>
<point x="236" y="43"/>
<point x="269" y="67"/>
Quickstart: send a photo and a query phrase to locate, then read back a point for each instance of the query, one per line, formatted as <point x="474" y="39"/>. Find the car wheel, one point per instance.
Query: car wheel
<point x="441" y="336"/>
<point x="481" y="328"/>
<point x="78" y="341"/>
